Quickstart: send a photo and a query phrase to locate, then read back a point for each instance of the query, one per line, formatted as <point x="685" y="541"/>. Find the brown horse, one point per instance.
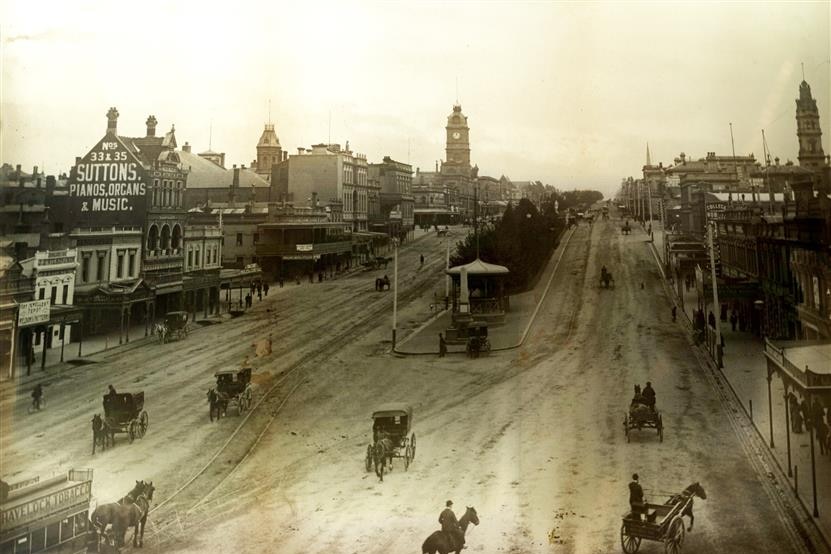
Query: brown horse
<point x="130" y="511"/>
<point x="693" y="490"/>
<point x="381" y="454"/>
<point x="102" y="434"/>
<point x="218" y="402"/>
<point x="438" y="541"/>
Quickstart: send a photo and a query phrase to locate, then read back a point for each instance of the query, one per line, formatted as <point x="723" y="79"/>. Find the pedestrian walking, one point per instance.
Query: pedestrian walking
<point x="805" y="410"/>
<point x="248" y="300"/>
<point x="674" y="312"/>
<point x="796" y="414"/>
<point x="37" y="397"/>
<point x="421" y="258"/>
<point x="442" y="346"/>
<point x="734" y="319"/>
<point x="265" y="289"/>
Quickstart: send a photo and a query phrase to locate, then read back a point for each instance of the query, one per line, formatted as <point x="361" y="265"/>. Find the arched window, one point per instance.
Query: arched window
<point x="152" y="239"/>
<point x="165" y="242"/>
<point x="176" y="242"/>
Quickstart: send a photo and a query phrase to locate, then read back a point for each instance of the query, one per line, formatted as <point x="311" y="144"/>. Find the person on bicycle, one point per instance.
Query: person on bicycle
<point x="37" y="396"/>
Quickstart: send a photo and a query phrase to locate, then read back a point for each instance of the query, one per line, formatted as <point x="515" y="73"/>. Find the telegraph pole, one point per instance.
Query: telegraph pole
<point x="716" y="305"/>
<point x="394" y="291"/>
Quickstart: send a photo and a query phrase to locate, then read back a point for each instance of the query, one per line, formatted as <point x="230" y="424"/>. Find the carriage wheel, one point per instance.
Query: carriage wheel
<point x="675" y="536"/>
<point x="144" y="422"/>
<point x="629" y="543"/>
<point x="412" y="446"/>
<point x="660" y="428"/>
<point x="369" y="458"/>
<point x="132" y="430"/>
<point x="407" y="457"/>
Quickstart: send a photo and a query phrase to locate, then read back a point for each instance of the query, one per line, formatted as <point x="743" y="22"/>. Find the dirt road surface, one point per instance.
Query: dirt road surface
<point x="532" y="438"/>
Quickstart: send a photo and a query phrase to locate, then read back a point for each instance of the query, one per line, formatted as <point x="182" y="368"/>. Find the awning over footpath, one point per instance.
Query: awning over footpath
<point x="805" y="365"/>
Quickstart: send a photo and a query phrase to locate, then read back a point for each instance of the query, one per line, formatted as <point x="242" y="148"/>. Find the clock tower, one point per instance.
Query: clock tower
<point x="458" y="141"/>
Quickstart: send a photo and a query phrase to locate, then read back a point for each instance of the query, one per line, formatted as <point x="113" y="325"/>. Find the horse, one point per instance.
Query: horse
<point x="102" y="433"/>
<point x="381" y="453"/>
<point x="437" y="542"/>
<point x="218" y="403"/>
<point x="691" y="491"/>
<point x="161" y="330"/>
<point x="121" y="514"/>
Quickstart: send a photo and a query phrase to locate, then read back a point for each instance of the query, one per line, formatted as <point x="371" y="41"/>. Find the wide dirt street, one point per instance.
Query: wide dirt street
<point x="531" y="437"/>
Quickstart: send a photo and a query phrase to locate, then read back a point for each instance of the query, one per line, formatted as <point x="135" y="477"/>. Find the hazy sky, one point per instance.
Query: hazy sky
<point x="565" y="93"/>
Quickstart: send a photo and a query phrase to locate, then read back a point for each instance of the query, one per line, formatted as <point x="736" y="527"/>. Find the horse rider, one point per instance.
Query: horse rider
<point x="450" y="527"/>
<point x="636" y="501"/>
<point x="649" y="395"/>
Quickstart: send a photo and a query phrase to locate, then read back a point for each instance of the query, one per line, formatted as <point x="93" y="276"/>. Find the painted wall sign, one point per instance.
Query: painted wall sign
<point x="108" y="187"/>
<point x="32" y="313"/>
<point x="305" y="247"/>
<point x="40" y="507"/>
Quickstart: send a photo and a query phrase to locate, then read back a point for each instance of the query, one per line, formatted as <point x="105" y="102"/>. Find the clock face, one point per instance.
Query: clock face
<point x="457" y="135"/>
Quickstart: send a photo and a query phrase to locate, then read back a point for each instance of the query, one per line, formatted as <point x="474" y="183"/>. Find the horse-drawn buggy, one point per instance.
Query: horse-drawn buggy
<point x="232" y="387"/>
<point x="643" y="415"/>
<point x="606" y="279"/>
<point x="382" y="282"/>
<point x="477" y="339"/>
<point x="124" y="413"/>
<point x="175" y="325"/>
<point x="390" y="427"/>
<point x="660" y="522"/>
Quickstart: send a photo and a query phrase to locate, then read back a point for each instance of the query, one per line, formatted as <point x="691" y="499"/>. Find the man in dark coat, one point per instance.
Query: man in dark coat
<point x="450" y="527"/>
<point x="442" y="346"/>
<point x="636" y="501"/>
<point x="649" y="395"/>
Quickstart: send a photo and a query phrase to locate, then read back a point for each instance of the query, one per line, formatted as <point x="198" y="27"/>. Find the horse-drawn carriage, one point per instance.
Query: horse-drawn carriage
<point x="606" y="279"/>
<point x="124" y="413"/>
<point x="390" y="427"/>
<point x="660" y="522"/>
<point x="175" y="325"/>
<point x="232" y="388"/>
<point x="477" y="339"/>
<point x="641" y="416"/>
<point x="376" y="262"/>
<point x="382" y="282"/>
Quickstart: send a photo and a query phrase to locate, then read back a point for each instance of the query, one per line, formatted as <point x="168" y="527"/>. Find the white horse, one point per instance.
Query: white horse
<point x="161" y="330"/>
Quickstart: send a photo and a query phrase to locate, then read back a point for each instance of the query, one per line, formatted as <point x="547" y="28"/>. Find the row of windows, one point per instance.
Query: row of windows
<point x="169" y="195"/>
<point x="53" y="294"/>
<point x="46" y="537"/>
<point x="194" y="256"/>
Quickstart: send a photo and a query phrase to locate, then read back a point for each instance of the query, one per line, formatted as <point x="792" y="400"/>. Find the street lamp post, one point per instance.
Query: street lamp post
<point x="394" y="290"/>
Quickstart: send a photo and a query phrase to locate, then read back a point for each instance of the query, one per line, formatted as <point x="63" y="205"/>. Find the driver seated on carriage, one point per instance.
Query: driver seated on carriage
<point x="648" y="395"/>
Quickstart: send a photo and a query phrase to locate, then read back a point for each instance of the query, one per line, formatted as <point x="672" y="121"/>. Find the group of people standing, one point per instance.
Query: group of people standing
<point x="257" y="288"/>
<point x="811" y="416"/>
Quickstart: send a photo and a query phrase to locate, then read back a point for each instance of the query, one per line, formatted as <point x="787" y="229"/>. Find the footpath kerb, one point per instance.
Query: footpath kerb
<point x="745" y="374"/>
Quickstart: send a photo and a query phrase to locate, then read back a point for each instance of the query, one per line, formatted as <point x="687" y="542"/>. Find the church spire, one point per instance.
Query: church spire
<point x="648" y="159"/>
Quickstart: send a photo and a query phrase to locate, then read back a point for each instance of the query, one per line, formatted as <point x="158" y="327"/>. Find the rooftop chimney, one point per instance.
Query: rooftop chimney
<point x="112" y="121"/>
<point x="186" y="148"/>
<point x="235" y="182"/>
<point x="151" y="126"/>
<point x="35" y="171"/>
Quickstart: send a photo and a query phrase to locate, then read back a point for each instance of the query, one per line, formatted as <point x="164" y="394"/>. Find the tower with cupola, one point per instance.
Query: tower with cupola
<point x="808" y="129"/>
<point x="458" y="142"/>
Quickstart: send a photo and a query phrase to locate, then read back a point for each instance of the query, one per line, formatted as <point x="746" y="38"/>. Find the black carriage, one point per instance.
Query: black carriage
<point x="659" y="522"/>
<point x="393" y="421"/>
<point x="125" y="413"/>
<point x="175" y="325"/>
<point x="234" y="387"/>
<point x="477" y="339"/>
<point x="641" y="416"/>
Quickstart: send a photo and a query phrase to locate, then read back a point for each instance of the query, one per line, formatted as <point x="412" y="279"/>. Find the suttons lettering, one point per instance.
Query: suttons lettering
<point x="91" y="173"/>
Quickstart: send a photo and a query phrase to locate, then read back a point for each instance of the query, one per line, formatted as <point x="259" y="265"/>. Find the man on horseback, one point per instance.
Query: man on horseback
<point x="450" y="527"/>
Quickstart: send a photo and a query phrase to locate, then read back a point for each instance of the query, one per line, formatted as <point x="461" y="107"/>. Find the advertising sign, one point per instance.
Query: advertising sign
<point x="305" y="247"/>
<point x="32" y="313"/>
<point x="108" y="187"/>
<point x="23" y="513"/>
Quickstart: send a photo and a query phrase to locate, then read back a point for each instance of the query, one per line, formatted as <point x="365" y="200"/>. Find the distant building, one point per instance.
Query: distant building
<point x="269" y="153"/>
<point x="396" y="197"/>
<point x="458" y="176"/>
